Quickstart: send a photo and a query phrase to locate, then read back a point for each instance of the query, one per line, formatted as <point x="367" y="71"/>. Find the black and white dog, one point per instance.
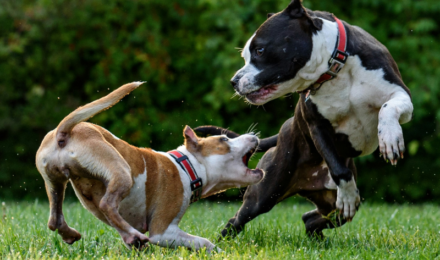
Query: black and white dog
<point x="352" y="100"/>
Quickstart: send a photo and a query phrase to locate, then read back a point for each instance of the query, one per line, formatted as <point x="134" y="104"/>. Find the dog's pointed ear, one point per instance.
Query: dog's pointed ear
<point x="295" y="9"/>
<point x="191" y="139"/>
<point x="269" y="15"/>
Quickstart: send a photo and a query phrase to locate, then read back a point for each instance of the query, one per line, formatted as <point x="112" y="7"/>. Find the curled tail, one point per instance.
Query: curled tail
<point x="83" y="113"/>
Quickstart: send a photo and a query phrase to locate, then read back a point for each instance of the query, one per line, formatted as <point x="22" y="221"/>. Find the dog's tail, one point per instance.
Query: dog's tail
<point x="83" y="113"/>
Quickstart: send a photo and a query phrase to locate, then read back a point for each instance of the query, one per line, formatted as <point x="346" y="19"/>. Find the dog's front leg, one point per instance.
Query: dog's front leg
<point x="55" y="192"/>
<point x="175" y="237"/>
<point x="398" y="110"/>
<point x="347" y="199"/>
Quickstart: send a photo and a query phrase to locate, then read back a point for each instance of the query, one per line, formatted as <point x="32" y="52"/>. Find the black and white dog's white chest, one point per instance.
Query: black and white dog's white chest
<point x="351" y="103"/>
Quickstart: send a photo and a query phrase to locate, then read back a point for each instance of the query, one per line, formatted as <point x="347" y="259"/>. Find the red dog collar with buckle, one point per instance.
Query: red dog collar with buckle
<point x="196" y="182"/>
<point x="336" y="62"/>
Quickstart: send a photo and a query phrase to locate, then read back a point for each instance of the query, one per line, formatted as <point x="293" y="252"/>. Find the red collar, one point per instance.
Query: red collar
<point x="336" y="62"/>
<point x="195" y="181"/>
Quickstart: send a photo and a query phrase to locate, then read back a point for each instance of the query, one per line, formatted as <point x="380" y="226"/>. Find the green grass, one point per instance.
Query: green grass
<point x="377" y="232"/>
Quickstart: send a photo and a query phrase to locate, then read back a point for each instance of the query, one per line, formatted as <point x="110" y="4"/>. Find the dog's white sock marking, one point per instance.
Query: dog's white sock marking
<point x="347" y="198"/>
<point x="398" y="110"/>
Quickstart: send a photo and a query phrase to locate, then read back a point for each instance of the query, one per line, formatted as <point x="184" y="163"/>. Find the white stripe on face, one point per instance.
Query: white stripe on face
<point x="246" y="52"/>
<point x="248" y="72"/>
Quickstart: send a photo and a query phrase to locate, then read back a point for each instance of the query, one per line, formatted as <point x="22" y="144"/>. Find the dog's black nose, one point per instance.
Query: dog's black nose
<point x="234" y="82"/>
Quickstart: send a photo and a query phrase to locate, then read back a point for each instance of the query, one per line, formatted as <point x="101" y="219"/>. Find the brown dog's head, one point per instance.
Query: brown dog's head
<point x="225" y="159"/>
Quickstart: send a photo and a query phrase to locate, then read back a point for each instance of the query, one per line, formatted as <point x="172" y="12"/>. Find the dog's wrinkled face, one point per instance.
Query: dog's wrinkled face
<point x="225" y="159"/>
<point x="275" y="53"/>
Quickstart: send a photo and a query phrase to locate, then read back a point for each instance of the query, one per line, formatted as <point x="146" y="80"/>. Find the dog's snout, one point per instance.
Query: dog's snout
<point x="234" y="82"/>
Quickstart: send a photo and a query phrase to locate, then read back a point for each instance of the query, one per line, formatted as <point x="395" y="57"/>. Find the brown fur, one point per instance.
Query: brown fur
<point x="164" y="193"/>
<point x="213" y="145"/>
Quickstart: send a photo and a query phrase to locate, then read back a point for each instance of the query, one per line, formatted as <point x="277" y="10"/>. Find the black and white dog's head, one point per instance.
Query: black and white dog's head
<point x="275" y="53"/>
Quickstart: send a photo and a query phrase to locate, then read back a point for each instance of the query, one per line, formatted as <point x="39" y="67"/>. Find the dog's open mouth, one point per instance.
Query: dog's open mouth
<point x="246" y="159"/>
<point x="264" y="91"/>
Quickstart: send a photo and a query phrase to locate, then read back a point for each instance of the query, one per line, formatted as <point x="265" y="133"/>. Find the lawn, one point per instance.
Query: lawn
<point x="377" y="232"/>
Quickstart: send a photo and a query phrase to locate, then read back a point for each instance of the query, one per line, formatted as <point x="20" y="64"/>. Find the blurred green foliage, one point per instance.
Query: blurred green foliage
<point x="57" y="55"/>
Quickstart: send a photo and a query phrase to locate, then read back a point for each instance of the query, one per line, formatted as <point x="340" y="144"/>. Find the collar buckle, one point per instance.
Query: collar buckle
<point x="335" y="67"/>
<point x="196" y="190"/>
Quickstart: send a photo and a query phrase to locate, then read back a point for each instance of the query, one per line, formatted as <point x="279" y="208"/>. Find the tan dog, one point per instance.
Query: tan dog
<point x="132" y="189"/>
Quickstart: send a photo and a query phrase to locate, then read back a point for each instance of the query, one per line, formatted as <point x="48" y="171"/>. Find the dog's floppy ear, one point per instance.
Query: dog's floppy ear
<point x="269" y="15"/>
<point x="296" y="10"/>
<point x="191" y="139"/>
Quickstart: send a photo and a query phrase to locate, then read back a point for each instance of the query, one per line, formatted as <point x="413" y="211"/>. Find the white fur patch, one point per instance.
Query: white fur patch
<point x="248" y="72"/>
<point x="347" y="198"/>
<point x="246" y="53"/>
<point x="133" y="208"/>
<point x="397" y="110"/>
<point x="175" y="237"/>
<point x="352" y="100"/>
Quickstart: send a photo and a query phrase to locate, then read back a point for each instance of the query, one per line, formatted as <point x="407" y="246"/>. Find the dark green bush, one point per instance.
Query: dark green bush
<point x="58" y="55"/>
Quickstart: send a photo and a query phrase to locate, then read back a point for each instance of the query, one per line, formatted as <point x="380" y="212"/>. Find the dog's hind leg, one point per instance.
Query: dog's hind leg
<point x="117" y="189"/>
<point x="55" y="178"/>
<point x="55" y="191"/>
<point x="324" y="216"/>
<point x="102" y="161"/>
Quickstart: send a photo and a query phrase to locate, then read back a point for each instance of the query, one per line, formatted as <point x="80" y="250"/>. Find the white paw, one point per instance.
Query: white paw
<point x="391" y="144"/>
<point x="347" y="200"/>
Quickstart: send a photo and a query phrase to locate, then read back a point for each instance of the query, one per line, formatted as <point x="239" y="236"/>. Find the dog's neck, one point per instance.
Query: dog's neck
<point x="201" y="170"/>
<point x="211" y="185"/>
<point x="324" y="42"/>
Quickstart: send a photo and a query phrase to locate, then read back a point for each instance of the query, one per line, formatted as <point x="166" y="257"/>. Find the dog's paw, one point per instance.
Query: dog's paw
<point x="391" y="144"/>
<point x="70" y="235"/>
<point x="137" y="240"/>
<point x="348" y="199"/>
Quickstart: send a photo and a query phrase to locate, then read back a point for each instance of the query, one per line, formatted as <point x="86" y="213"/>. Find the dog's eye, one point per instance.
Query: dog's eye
<point x="259" y="51"/>
<point x="224" y="139"/>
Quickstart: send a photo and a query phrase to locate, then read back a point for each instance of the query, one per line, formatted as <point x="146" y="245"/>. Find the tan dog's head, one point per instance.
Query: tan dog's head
<point x="225" y="159"/>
